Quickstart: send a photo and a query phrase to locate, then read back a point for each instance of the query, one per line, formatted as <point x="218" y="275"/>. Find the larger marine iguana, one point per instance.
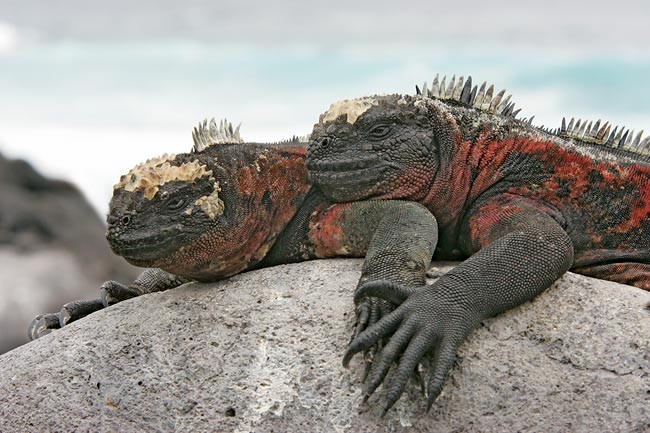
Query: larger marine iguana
<point x="523" y="204"/>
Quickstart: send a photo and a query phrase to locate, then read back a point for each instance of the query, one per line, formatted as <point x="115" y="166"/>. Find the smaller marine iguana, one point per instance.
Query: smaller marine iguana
<point x="523" y="204"/>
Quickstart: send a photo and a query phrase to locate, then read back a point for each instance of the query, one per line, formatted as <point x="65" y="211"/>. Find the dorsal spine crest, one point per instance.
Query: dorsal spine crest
<point x="483" y="98"/>
<point x="206" y="135"/>
<point x="602" y="134"/>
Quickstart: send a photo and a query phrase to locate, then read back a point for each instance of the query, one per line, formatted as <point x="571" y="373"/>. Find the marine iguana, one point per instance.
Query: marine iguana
<point x="229" y="206"/>
<point x="522" y="204"/>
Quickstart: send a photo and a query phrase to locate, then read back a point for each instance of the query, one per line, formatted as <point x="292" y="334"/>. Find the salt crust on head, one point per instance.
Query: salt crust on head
<point x="149" y="176"/>
<point x="352" y="108"/>
<point x="211" y="204"/>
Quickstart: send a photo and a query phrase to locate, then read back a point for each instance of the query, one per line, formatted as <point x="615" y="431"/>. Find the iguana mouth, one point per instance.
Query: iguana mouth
<point x="143" y="249"/>
<point x="353" y="176"/>
<point x="348" y="171"/>
<point x="345" y="165"/>
<point x="139" y="262"/>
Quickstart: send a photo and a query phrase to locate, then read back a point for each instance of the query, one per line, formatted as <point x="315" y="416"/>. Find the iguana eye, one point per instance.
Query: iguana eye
<point x="379" y="131"/>
<point x="175" y="203"/>
<point x="324" y="142"/>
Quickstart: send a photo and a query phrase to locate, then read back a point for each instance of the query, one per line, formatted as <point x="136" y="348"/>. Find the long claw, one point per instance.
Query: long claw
<point x="368" y="356"/>
<point x="366" y="370"/>
<point x="442" y="362"/>
<point x="361" y="323"/>
<point x="420" y="379"/>
<point x="377" y="311"/>
<point x="42" y="324"/>
<point x="387" y="356"/>
<point x="363" y="314"/>
<point x="370" y="336"/>
<point x="410" y="359"/>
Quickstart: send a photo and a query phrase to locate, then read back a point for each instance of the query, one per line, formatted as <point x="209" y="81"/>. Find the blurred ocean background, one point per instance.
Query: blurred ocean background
<point x="88" y="89"/>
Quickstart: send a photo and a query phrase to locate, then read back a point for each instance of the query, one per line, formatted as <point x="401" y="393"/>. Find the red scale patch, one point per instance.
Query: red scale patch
<point x="325" y="230"/>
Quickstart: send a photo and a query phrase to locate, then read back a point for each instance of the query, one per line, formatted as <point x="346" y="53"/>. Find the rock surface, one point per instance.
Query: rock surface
<point x="52" y="249"/>
<point x="262" y="352"/>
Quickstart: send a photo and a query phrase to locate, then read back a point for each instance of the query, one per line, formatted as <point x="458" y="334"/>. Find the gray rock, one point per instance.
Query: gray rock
<point x="262" y="352"/>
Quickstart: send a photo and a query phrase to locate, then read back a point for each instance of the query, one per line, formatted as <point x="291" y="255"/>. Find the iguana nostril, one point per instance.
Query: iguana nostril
<point x="125" y="220"/>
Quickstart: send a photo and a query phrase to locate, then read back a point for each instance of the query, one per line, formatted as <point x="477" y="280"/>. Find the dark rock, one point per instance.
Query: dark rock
<point x="52" y="249"/>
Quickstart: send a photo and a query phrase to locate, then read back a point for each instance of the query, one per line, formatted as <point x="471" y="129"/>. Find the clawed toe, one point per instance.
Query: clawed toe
<point x="42" y="325"/>
<point x="114" y="292"/>
<point x="78" y="309"/>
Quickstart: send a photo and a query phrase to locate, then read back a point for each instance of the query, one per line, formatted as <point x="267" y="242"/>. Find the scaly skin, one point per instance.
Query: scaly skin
<point x="524" y="204"/>
<point x="230" y="207"/>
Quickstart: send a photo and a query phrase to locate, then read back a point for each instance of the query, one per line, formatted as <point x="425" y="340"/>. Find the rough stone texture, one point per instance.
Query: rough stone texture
<point x="52" y="249"/>
<point x="262" y="352"/>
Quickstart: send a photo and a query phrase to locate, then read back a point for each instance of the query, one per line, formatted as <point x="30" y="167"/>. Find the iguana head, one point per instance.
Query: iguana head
<point x="202" y="214"/>
<point x="364" y="147"/>
<point x="393" y="146"/>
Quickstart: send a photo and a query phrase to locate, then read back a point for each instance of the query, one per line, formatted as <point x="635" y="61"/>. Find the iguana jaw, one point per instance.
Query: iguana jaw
<point x="342" y="182"/>
<point x="356" y="168"/>
<point x="349" y="177"/>
<point x="191" y="261"/>
<point x="146" y="251"/>
<point x="215" y="269"/>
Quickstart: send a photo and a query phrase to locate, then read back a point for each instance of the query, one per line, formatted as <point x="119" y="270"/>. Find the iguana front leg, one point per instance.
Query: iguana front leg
<point x="112" y="292"/>
<point x="400" y="252"/>
<point x="397" y="238"/>
<point x="522" y="251"/>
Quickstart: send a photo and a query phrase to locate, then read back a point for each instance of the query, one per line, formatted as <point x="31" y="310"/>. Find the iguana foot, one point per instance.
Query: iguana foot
<point x="371" y="309"/>
<point x="112" y="292"/>
<point x="428" y="319"/>
<point x="45" y="323"/>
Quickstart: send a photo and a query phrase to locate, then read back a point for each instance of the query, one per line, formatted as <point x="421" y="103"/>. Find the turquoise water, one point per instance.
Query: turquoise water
<point x="101" y="83"/>
<point x="88" y="111"/>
